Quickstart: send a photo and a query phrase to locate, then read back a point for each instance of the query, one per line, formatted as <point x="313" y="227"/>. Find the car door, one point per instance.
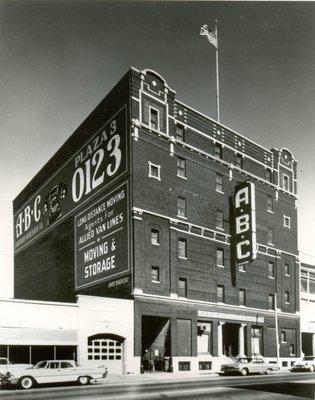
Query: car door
<point x="261" y="366"/>
<point x="69" y="371"/>
<point x="41" y="372"/>
<point x="254" y="366"/>
<point x="53" y="373"/>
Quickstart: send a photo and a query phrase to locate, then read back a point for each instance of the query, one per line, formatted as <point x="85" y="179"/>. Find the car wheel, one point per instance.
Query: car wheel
<point x="268" y="372"/>
<point x="26" y="382"/>
<point x="83" y="380"/>
<point x="244" y="371"/>
<point x="312" y="368"/>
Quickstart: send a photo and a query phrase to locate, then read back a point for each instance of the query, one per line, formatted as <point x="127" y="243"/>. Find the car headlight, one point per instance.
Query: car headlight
<point x="9" y="375"/>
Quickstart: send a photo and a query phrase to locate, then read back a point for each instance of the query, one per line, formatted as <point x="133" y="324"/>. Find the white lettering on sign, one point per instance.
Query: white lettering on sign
<point x="245" y="225"/>
<point x="25" y="217"/>
<point x="242" y="223"/>
<point x="242" y="197"/>
<point x="226" y="316"/>
<point x="100" y="266"/>
<point x="118" y="282"/>
<point x="240" y="251"/>
<point x="88" y="177"/>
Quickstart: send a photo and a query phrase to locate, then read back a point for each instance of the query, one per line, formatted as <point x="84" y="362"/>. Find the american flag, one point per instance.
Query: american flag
<point x="204" y="31"/>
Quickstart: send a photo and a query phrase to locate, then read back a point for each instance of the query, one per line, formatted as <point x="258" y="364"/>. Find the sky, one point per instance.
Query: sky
<point x="58" y="59"/>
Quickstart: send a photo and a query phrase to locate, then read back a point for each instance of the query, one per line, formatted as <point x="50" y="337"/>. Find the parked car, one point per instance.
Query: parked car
<point x="6" y="365"/>
<point x="53" y="371"/>
<point x="307" y="364"/>
<point x="249" y="365"/>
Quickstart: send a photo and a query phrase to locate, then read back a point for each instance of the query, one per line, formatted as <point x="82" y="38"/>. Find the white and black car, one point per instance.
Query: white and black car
<point x="53" y="371"/>
<point x="248" y="365"/>
<point x="306" y="365"/>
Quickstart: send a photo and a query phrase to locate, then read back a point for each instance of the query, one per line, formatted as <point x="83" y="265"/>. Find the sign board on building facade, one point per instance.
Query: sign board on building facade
<point x="230" y="317"/>
<point x="245" y="222"/>
<point x="99" y="162"/>
<point x="102" y="239"/>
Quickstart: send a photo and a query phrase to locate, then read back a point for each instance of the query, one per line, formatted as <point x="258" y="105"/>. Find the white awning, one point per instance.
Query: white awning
<point x="29" y="336"/>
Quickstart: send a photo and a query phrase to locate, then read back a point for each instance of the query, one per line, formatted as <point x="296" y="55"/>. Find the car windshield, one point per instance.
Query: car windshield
<point x="40" y="364"/>
<point x="243" y="360"/>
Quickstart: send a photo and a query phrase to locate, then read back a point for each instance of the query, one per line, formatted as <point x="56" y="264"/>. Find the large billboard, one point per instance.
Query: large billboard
<point x="101" y="160"/>
<point x="245" y="223"/>
<point x="102" y="239"/>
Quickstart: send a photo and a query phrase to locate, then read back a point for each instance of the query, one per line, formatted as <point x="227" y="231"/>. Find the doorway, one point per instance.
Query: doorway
<point x="230" y="339"/>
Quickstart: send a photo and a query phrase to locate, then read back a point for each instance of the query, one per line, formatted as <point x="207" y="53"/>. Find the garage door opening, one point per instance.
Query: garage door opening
<point x="156" y="343"/>
<point x="107" y="349"/>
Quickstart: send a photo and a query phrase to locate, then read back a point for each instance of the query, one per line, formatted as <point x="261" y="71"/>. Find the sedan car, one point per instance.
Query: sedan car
<point x="307" y="364"/>
<point x="53" y="371"/>
<point x="248" y="365"/>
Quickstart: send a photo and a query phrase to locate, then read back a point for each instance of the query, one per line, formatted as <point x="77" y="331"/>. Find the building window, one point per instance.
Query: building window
<point x="205" y="365"/>
<point x="285" y="182"/>
<point x="220" y="294"/>
<point x="218" y="151"/>
<point x="220" y="257"/>
<point x="286" y="222"/>
<point x="268" y="174"/>
<point x="242" y="297"/>
<point x="219" y="183"/>
<point x="154" y="118"/>
<point x="271" y="269"/>
<point x="181" y="207"/>
<point x="183" y="365"/>
<point x="239" y="160"/>
<point x="180" y="133"/>
<point x="287" y="269"/>
<point x="182" y="248"/>
<point x="181" y="167"/>
<point x="292" y="352"/>
<point x="155" y="237"/>
<point x="155" y="274"/>
<point x="182" y="287"/>
<point x="283" y="337"/>
<point x="271" y="239"/>
<point x="271" y="301"/>
<point x="287" y="297"/>
<point x="219" y="219"/>
<point x="270" y="203"/>
<point x="154" y="171"/>
<point x="242" y="267"/>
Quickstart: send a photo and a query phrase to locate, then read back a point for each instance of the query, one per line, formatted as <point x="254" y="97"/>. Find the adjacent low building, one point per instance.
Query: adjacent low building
<point x="153" y="204"/>
<point x="308" y="309"/>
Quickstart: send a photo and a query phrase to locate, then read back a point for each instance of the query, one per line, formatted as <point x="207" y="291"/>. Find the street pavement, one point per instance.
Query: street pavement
<point x="155" y="386"/>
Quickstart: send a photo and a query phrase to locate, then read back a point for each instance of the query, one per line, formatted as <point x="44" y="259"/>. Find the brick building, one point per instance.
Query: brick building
<point x="139" y="204"/>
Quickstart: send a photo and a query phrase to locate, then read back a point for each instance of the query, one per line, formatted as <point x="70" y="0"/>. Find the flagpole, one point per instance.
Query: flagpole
<point x="217" y="68"/>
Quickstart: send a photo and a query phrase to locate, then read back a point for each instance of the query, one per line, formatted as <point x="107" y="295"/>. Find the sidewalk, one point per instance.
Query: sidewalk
<point x="167" y="376"/>
<point x="158" y="376"/>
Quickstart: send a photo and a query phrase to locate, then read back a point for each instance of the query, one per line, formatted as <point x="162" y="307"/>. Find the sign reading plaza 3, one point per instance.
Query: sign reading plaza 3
<point x="102" y="239"/>
<point x="100" y="161"/>
<point x="245" y="223"/>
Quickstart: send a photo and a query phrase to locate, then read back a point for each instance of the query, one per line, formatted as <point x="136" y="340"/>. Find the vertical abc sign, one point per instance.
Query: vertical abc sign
<point x="245" y="223"/>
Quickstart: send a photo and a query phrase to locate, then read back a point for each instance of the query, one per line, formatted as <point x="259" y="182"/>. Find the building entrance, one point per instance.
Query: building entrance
<point x="156" y="343"/>
<point x="230" y="334"/>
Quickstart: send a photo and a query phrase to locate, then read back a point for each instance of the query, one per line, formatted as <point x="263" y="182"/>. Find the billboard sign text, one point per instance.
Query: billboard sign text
<point x="99" y="162"/>
<point x="102" y="239"/>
